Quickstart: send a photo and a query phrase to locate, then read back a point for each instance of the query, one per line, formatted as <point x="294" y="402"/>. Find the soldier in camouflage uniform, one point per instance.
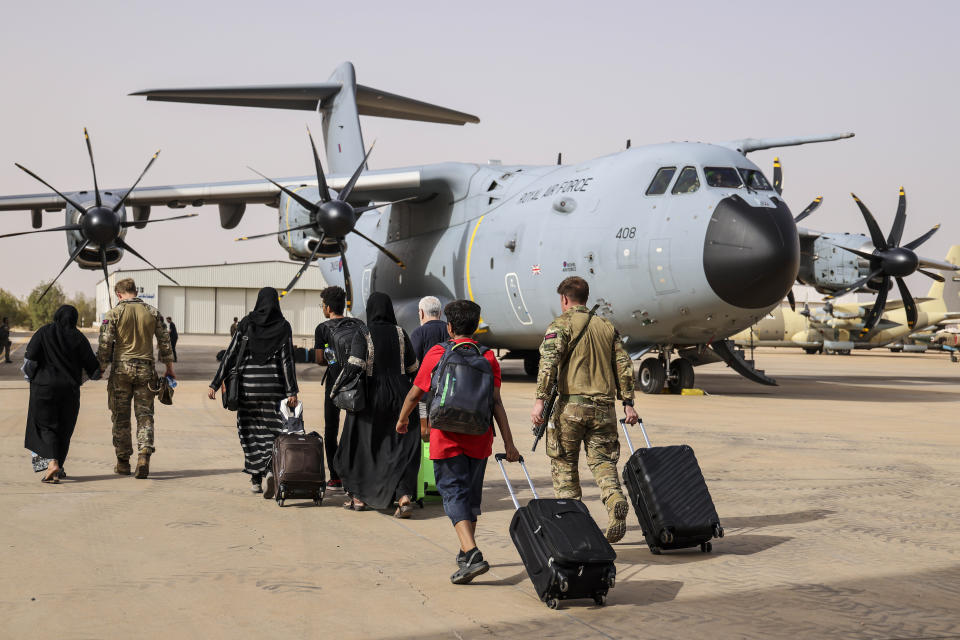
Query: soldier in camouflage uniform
<point x="598" y="373"/>
<point x="126" y="343"/>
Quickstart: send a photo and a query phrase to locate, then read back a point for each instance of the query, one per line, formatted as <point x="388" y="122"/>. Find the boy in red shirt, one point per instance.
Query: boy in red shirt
<point x="459" y="459"/>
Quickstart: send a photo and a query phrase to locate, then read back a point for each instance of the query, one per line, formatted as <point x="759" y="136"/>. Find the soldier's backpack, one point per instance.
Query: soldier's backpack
<point x="342" y="332"/>
<point x="461" y="390"/>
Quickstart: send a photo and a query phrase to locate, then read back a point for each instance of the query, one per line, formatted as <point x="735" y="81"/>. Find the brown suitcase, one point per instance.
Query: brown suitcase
<point x="298" y="467"/>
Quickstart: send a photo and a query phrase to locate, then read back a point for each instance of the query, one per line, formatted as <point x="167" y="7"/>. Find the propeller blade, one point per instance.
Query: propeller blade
<point x="862" y="254"/>
<point x="306" y="204"/>
<point x="130" y="223"/>
<point x="347" y="284"/>
<point x="778" y="177"/>
<point x="810" y="209"/>
<point x="303" y="269"/>
<point x="123" y="245"/>
<point x="943" y="265"/>
<point x="321" y="179"/>
<point x="877" y="309"/>
<point x="73" y="256"/>
<point x="371" y="207"/>
<point x="106" y="274"/>
<point x="896" y="231"/>
<point x="275" y="233"/>
<point x="908" y="303"/>
<point x="792" y="300"/>
<point x="383" y="249"/>
<point x="49" y="186"/>
<point x="856" y="285"/>
<point x="913" y="244"/>
<point x="933" y="276"/>
<point x="96" y="189"/>
<point x="875" y="234"/>
<point x="348" y="189"/>
<point x="117" y="206"/>
<point x="69" y="227"/>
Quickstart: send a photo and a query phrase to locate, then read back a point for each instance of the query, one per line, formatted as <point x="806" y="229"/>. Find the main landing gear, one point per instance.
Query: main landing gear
<point x="659" y="372"/>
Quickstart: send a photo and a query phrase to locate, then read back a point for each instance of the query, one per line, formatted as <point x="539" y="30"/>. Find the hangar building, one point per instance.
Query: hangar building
<point x="211" y="296"/>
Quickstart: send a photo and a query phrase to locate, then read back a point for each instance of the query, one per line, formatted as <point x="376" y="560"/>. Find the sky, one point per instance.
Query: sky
<point x="571" y="77"/>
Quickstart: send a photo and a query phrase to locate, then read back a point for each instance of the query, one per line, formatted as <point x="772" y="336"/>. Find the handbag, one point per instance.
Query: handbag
<point x="231" y="393"/>
<point x="164" y="391"/>
<point x="350" y="394"/>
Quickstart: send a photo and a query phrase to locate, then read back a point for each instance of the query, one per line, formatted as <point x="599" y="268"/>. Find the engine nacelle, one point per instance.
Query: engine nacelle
<point x="301" y="242"/>
<point x="825" y="266"/>
<point x="89" y="258"/>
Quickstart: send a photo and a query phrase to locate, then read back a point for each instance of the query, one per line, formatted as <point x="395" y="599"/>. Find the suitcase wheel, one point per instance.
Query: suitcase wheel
<point x="553" y="603"/>
<point x="706" y="547"/>
<point x="655" y="550"/>
<point x="717" y="531"/>
<point x="564" y="585"/>
<point x="600" y="599"/>
<point x="611" y="580"/>
<point x="666" y="537"/>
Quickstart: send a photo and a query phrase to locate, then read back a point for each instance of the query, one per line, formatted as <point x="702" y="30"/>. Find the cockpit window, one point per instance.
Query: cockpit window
<point x="755" y="180"/>
<point x="688" y="182"/>
<point x="724" y="177"/>
<point x="658" y="186"/>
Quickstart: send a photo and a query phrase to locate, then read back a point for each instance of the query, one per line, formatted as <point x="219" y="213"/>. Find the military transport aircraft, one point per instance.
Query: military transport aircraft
<point x="839" y="327"/>
<point x="683" y="244"/>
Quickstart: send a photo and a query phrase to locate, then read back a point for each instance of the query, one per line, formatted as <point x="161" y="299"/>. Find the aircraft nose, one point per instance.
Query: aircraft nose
<point x="751" y="254"/>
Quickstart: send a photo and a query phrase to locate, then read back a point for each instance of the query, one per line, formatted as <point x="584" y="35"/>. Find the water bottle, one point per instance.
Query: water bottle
<point x="329" y="355"/>
<point x="171" y="382"/>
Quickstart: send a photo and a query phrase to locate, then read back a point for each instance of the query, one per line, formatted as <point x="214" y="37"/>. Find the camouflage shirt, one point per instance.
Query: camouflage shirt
<point x="128" y="331"/>
<point x="599" y="366"/>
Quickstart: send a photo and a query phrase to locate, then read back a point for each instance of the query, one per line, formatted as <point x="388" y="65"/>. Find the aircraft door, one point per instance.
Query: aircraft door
<point x="516" y="299"/>
<point x="658" y="257"/>
<point x="365" y="285"/>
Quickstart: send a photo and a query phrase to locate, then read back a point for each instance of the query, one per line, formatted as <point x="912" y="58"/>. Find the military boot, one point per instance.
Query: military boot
<point x="143" y="468"/>
<point x="123" y="467"/>
<point x="617" y="509"/>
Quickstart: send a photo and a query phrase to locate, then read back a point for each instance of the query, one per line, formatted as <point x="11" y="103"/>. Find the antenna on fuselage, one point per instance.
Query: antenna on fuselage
<point x="560" y="158"/>
<point x="628" y="143"/>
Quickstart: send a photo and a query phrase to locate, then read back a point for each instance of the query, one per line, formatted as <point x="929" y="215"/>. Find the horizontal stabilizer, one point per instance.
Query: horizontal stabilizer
<point x="747" y="145"/>
<point x="310" y="97"/>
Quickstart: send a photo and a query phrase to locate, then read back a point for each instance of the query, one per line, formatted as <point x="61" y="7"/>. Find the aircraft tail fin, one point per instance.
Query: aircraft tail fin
<point x="340" y="100"/>
<point x="949" y="290"/>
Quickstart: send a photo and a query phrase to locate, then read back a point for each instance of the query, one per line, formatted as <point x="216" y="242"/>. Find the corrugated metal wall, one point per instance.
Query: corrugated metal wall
<point x="200" y="310"/>
<point x="231" y="303"/>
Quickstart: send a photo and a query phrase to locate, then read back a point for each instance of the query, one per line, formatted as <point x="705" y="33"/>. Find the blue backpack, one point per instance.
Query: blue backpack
<point x="461" y="390"/>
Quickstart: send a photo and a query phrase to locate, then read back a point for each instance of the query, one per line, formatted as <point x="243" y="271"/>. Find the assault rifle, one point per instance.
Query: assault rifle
<point x="554" y="394"/>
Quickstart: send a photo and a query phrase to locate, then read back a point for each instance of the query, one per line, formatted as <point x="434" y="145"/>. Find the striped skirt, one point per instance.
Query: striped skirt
<point x="258" y="417"/>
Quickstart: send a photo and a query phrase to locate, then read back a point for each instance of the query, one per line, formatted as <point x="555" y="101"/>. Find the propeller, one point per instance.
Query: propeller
<point x="891" y="260"/>
<point x="332" y="218"/>
<point x="100" y="224"/>
<point x="778" y="187"/>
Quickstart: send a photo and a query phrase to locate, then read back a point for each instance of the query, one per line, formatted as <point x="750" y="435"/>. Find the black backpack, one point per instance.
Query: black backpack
<point x="461" y="390"/>
<point x="341" y="337"/>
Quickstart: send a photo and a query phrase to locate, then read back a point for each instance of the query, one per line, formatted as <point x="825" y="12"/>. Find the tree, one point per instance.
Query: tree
<point x="86" y="307"/>
<point x="11" y="307"/>
<point x="41" y="311"/>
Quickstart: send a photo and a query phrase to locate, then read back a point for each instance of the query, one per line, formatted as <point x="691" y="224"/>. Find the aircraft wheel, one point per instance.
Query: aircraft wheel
<point x="651" y="376"/>
<point x="681" y="376"/>
<point x="531" y="364"/>
<point x="811" y="350"/>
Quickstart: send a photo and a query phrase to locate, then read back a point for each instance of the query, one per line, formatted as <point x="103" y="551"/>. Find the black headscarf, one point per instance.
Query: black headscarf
<point x="265" y="326"/>
<point x="380" y="309"/>
<point x="63" y="344"/>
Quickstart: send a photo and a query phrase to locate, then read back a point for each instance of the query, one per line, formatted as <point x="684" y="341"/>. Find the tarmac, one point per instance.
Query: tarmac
<point x="838" y="491"/>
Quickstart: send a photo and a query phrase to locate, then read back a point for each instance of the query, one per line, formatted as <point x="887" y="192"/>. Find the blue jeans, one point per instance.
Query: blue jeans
<point x="460" y="483"/>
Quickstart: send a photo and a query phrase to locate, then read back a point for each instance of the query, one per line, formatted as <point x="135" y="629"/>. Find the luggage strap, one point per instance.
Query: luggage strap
<point x="626" y="432"/>
<point x="500" y="457"/>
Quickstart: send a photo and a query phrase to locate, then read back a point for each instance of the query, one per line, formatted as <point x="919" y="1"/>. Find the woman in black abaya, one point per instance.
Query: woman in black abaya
<point x="267" y="376"/>
<point x="377" y="464"/>
<point x="61" y="355"/>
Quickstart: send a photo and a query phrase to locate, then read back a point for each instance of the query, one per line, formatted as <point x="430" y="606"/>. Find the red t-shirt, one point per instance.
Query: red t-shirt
<point x="446" y="444"/>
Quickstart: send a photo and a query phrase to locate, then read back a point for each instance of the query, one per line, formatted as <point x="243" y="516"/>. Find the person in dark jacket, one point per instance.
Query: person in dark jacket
<point x="5" y="340"/>
<point x="57" y="358"/>
<point x="376" y="464"/>
<point x="264" y="342"/>
<point x="174" y="336"/>
<point x="431" y="332"/>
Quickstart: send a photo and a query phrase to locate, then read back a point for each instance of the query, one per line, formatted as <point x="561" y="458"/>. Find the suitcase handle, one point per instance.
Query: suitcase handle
<point x="626" y="432"/>
<point x="500" y="457"/>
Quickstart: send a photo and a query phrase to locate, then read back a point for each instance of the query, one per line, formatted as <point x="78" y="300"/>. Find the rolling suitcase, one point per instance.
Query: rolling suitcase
<point x="298" y="467"/>
<point x="426" y="481"/>
<point x="562" y="548"/>
<point x="670" y="496"/>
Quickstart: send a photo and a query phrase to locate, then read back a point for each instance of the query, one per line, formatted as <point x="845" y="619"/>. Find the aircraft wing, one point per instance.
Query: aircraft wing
<point x="808" y="233"/>
<point x="373" y="185"/>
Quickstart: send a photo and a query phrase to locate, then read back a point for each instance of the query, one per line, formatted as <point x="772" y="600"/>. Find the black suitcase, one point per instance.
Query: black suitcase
<point x="563" y="550"/>
<point x="298" y="467"/>
<point x="670" y="496"/>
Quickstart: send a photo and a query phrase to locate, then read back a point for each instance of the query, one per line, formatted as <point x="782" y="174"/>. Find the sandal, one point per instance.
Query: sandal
<point x="348" y="505"/>
<point x="404" y="511"/>
<point x="359" y="506"/>
<point x="53" y="478"/>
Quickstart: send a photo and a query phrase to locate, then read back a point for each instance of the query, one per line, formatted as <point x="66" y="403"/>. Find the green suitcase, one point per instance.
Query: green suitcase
<point x="426" y="482"/>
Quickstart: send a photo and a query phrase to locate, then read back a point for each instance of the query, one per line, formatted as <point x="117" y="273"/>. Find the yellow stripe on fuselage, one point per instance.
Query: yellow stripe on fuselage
<point x="473" y="236"/>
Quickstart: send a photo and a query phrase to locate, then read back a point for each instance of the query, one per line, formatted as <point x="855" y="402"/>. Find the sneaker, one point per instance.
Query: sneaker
<point x="462" y="558"/>
<point x="473" y="566"/>
<point x="335" y="483"/>
<point x="271" y="489"/>
<point x="617" y="512"/>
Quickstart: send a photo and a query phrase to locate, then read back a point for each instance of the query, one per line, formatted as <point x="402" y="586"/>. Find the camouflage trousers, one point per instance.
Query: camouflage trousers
<point x="128" y="383"/>
<point x="594" y="426"/>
